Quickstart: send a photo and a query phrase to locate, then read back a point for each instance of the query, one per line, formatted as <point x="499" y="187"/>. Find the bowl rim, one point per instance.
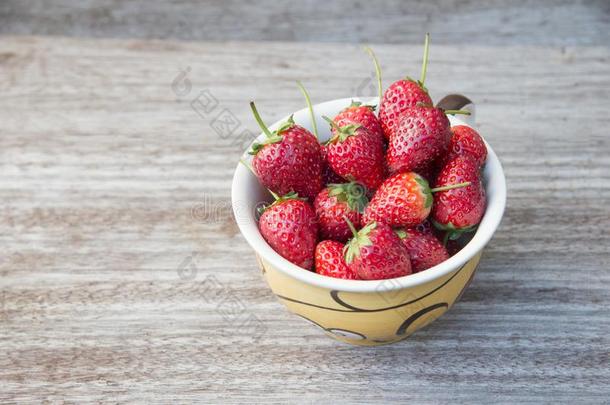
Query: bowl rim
<point x="489" y="223"/>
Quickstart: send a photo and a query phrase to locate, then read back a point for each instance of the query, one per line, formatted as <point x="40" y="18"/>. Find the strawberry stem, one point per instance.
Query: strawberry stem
<point x="259" y="120"/>
<point x="454" y="112"/>
<point x="275" y="196"/>
<point x="351" y="226"/>
<point x="342" y="132"/>
<point x="332" y="123"/>
<point x="310" y="108"/>
<point x="450" y="187"/>
<point x="377" y="71"/>
<point x="424" y="66"/>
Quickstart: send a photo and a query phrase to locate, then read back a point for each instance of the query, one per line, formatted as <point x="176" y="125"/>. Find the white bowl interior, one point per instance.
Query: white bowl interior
<point x="247" y="193"/>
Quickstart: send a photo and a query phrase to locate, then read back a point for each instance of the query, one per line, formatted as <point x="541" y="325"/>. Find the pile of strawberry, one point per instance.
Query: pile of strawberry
<point x="360" y="205"/>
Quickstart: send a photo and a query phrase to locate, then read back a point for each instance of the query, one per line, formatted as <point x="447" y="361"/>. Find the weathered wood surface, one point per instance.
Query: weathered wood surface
<point x="110" y="181"/>
<point x="523" y="22"/>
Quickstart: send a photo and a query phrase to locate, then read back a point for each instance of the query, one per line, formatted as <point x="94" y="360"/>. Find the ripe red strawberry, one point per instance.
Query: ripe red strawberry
<point x="289" y="226"/>
<point x="459" y="210"/>
<point x="424" y="249"/>
<point x="466" y="140"/>
<point x="422" y="135"/>
<point x="363" y="115"/>
<point x="354" y="153"/>
<point x="288" y="160"/>
<point x="334" y="204"/>
<point x="330" y="261"/>
<point x="402" y="95"/>
<point x="376" y="252"/>
<point x="402" y="200"/>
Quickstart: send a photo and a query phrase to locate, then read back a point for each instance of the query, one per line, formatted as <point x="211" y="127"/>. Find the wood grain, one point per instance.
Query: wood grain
<point x="110" y="181"/>
<point x="490" y="22"/>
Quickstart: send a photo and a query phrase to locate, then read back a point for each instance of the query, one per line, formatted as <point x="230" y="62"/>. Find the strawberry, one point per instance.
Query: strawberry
<point x="330" y="261"/>
<point x="289" y="160"/>
<point x="355" y="153"/>
<point x="402" y="200"/>
<point x="402" y="95"/>
<point x="466" y="140"/>
<point x="364" y="115"/>
<point x="424" y="249"/>
<point x="422" y="135"/>
<point x="334" y="204"/>
<point x="376" y="252"/>
<point x="459" y="210"/>
<point x="397" y="99"/>
<point x="289" y="226"/>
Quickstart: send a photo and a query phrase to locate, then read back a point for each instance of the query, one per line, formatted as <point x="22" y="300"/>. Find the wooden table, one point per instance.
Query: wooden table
<point x="123" y="276"/>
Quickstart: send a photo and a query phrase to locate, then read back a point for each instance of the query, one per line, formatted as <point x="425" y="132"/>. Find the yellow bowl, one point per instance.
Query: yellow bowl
<point x="369" y="312"/>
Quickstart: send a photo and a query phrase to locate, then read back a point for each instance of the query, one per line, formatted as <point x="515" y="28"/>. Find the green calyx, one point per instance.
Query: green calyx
<point x="425" y="188"/>
<point x="272" y="137"/>
<point x="418" y="83"/>
<point x="361" y="238"/>
<point x="427" y="191"/>
<point x="352" y="193"/>
<point x="355" y="104"/>
<point x="343" y="132"/>
<point x="402" y="234"/>
<point x="451" y="231"/>
<point x="279" y="199"/>
<point x="257" y="146"/>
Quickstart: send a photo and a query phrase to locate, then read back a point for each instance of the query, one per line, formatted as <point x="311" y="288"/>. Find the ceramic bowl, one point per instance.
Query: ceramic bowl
<point x="370" y="312"/>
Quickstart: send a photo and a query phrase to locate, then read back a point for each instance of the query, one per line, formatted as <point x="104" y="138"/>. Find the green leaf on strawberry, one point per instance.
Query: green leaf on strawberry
<point x="353" y="193"/>
<point x="279" y="199"/>
<point x="453" y="232"/>
<point x="343" y="132"/>
<point x="360" y="239"/>
<point x="272" y="137"/>
<point x="359" y="103"/>
<point x="425" y="188"/>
